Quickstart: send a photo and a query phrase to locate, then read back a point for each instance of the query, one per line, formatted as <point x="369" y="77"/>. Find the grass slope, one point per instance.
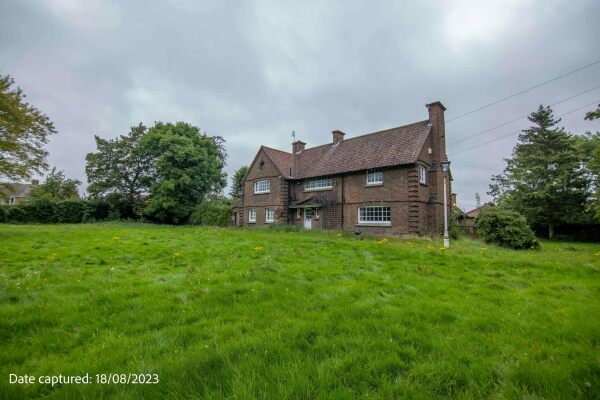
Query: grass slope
<point x="247" y="314"/>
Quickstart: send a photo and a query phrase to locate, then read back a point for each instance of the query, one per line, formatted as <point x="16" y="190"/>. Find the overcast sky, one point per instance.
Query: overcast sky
<point x="252" y="72"/>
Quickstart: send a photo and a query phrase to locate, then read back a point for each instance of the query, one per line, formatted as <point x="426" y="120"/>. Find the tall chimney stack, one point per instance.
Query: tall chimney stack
<point x="436" y="119"/>
<point x="338" y="136"/>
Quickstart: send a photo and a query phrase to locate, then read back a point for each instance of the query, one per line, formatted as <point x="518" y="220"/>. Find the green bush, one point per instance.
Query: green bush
<point x="41" y="210"/>
<point x="70" y="211"/>
<point x="96" y="210"/>
<point x="214" y="211"/>
<point x="4" y="213"/>
<point x="506" y="228"/>
<point x="17" y="214"/>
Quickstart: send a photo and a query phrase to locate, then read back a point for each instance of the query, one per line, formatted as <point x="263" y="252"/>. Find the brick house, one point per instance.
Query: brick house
<point x="16" y="193"/>
<point x="388" y="182"/>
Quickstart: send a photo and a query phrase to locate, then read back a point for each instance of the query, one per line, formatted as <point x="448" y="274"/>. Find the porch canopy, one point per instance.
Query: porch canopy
<point x="308" y="203"/>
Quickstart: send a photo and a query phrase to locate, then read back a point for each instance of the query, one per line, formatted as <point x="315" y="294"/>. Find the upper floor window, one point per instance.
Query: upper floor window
<point x="270" y="215"/>
<point x="252" y="215"/>
<point x="262" y="186"/>
<point x="374" y="177"/>
<point x="321" y="183"/>
<point x="375" y="215"/>
<point x="422" y="174"/>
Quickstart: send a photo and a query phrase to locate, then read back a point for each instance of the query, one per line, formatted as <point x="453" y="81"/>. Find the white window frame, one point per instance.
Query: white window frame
<point x="317" y="214"/>
<point x="267" y="212"/>
<point x="252" y="216"/>
<point x="318" y="184"/>
<point x="298" y="213"/>
<point x="422" y="174"/>
<point x="262" y="186"/>
<point x="380" y="215"/>
<point x="374" y="177"/>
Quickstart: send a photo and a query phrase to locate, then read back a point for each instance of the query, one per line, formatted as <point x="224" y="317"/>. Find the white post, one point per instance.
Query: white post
<point x="446" y="237"/>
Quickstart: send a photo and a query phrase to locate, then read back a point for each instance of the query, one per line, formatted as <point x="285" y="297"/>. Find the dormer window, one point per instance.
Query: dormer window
<point x="263" y="186"/>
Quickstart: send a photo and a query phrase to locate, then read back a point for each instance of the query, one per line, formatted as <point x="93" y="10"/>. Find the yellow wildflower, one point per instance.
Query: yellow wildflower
<point x="116" y="238"/>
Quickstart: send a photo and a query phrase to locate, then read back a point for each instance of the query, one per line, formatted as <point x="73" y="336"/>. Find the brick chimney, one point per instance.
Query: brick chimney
<point x="338" y="136"/>
<point x="436" y="119"/>
<point x="297" y="146"/>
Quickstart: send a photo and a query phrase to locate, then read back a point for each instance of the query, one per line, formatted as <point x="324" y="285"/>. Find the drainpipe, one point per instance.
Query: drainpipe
<point x="343" y="201"/>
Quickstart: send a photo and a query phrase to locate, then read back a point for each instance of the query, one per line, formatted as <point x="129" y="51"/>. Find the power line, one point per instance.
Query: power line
<point x="518" y="118"/>
<point x="519" y="131"/>
<point x="523" y="91"/>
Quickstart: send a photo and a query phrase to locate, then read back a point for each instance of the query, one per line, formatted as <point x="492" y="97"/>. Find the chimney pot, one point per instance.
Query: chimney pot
<point x="338" y="136"/>
<point x="35" y="182"/>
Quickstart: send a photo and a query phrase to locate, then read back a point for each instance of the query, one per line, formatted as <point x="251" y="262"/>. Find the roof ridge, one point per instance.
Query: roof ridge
<point x="272" y="148"/>
<point x="366" y="134"/>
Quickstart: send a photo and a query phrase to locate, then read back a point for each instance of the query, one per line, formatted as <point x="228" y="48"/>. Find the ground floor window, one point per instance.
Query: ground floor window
<point x="298" y="213"/>
<point x="270" y="215"/>
<point x="317" y="213"/>
<point x="252" y="215"/>
<point x="375" y="215"/>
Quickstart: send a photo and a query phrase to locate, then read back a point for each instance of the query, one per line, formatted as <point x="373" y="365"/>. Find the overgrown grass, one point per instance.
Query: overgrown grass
<point x="247" y="314"/>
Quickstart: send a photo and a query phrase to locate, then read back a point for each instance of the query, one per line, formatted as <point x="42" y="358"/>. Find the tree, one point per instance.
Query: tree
<point x="237" y="190"/>
<point x="592" y="115"/>
<point x="24" y="131"/>
<point x="120" y="168"/>
<point x="189" y="166"/>
<point x="543" y="180"/>
<point x="477" y="200"/>
<point x="589" y="147"/>
<point x="56" y="187"/>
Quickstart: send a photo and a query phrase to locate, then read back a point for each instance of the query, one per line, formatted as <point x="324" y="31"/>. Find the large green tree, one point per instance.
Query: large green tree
<point x="589" y="145"/>
<point x="120" y="167"/>
<point x="237" y="190"/>
<point x="24" y="131"/>
<point x="189" y="166"/>
<point x="57" y="187"/>
<point x="543" y="180"/>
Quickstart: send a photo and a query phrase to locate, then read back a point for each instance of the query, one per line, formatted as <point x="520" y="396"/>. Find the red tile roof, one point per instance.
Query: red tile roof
<point x="391" y="147"/>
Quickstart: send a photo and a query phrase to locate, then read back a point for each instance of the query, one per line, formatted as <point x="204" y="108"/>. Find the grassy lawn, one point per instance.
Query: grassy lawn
<point x="246" y="314"/>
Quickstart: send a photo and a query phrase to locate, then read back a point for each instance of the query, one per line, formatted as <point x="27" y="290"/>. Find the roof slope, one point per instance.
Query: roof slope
<point x="396" y="146"/>
<point x="281" y="159"/>
<point x="16" y="189"/>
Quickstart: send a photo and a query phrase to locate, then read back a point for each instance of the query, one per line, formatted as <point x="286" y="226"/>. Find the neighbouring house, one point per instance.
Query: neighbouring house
<point x="388" y="182"/>
<point x="16" y="193"/>
<point x="466" y="220"/>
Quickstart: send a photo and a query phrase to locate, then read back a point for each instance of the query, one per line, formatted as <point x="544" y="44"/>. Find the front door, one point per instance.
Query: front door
<point x="308" y="218"/>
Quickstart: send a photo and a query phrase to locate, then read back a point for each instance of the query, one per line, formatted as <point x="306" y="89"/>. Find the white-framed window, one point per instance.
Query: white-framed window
<point x="252" y="215"/>
<point x="263" y="186"/>
<point x="269" y="215"/>
<point x="374" y="177"/>
<point x="298" y="213"/>
<point x="316" y="184"/>
<point x="317" y="213"/>
<point x="375" y="215"/>
<point x="422" y="174"/>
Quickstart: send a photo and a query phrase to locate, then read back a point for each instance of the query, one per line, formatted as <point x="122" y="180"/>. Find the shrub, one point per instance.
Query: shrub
<point x="4" y="213"/>
<point x="17" y="214"/>
<point x="96" y="210"/>
<point x="214" y="211"/>
<point x="506" y="228"/>
<point x="42" y="210"/>
<point x="70" y="211"/>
